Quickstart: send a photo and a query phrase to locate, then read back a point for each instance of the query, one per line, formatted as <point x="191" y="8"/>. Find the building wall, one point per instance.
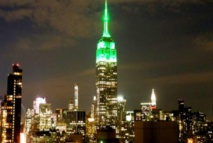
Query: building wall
<point x="156" y="132"/>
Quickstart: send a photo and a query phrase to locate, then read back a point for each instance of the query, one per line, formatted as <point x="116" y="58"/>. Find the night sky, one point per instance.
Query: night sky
<point x="161" y="44"/>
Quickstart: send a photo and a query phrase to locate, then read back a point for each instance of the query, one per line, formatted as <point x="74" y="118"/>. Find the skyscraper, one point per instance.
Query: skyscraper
<point x="11" y="108"/>
<point x="76" y="97"/>
<point x="37" y="102"/>
<point x="153" y="99"/>
<point x="106" y="77"/>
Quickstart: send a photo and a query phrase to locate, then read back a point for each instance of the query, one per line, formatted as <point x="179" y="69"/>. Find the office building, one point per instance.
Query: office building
<point x="76" y="97"/>
<point x="76" y="122"/>
<point x="106" y="77"/>
<point x="37" y="102"/>
<point x="11" y="107"/>
<point x="71" y="105"/>
<point x="106" y="135"/>
<point x="45" y="120"/>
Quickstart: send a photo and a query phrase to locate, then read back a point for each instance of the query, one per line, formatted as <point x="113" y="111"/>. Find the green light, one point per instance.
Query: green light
<point x="106" y="51"/>
<point x="112" y="45"/>
<point x="101" y="45"/>
<point x="106" y="21"/>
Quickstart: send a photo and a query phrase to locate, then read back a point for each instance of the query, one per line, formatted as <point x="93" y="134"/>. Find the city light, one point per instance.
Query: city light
<point x="22" y="138"/>
<point x="190" y="140"/>
<point x="120" y="98"/>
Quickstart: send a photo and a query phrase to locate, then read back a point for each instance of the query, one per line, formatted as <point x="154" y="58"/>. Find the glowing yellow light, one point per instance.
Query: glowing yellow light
<point x="190" y="140"/>
<point x="120" y="98"/>
<point x="91" y="119"/>
<point x="23" y="138"/>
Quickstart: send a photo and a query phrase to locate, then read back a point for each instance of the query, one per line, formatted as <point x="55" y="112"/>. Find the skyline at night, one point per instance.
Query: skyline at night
<point x="163" y="45"/>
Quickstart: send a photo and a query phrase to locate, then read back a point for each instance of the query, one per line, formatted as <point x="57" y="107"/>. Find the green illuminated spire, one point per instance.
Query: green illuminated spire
<point x="106" y="51"/>
<point x="106" y="21"/>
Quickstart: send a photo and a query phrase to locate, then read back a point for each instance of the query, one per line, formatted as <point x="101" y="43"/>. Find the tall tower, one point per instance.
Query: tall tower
<point x="11" y="107"/>
<point x="153" y="99"/>
<point x="106" y="77"/>
<point x="76" y="97"/>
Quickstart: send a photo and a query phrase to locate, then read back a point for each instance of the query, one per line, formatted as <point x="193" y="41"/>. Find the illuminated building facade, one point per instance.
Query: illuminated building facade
<point x="71" y="105"/>
<point x="76" y="97"/>
<point x="29" y="119"/>
<point x="106" y="77"/>
<point x="76" y="122"/>
<point x="45" y="120"/>
<point x="153" y="99"/>
<point x="37" y="102"/>
<point x="148" y="107"/>
<point x="121" y="111"/>
<point x="11" y="108"/>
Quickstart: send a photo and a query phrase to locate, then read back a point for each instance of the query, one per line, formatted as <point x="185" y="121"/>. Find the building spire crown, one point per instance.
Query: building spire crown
<point x="153" y="97"/>
<point x="106" y="21"/>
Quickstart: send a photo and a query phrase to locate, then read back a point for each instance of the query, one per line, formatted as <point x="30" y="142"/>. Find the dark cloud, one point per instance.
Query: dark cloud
<point x="69" y="17"/>
<point x="204" y="43"/>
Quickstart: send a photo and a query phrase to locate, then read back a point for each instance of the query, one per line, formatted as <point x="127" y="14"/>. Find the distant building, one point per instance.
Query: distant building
<point x="106" y="135"/>
<point x="76" y="138"/>
<point x="11" y="107"/>
<point x="45" y="121"/>
<point x="71" y="105"/>
<point x="29" y="118"/>
<point x="76" y="122"/>
<point x="37" y="102"/>
<point x="76" y="90"/>
<point x="147" y="108"/>
<point x="181" y="105"/>
<point x="61" y="115"/>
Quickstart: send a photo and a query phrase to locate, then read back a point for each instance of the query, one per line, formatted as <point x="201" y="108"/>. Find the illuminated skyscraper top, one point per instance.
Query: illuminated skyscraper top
<point x="106" y="76"/>
<point x="153" y="98"/>
<point x="106" y="51"/>
<point x="76" y="97"/>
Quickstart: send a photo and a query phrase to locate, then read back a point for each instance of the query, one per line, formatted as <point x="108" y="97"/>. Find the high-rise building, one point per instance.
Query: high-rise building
<point x="76" y="122"/>
<point x="106" y="77"/>
<point x="148" y="107"/>
<point x="153" y="99"/>
<point x="45" y="121"/>
<point x="181" y="105"/>
<point x="71" y="105"/>
<point x="37" y="102"/>
<point x="11" y="108"/>
<point x="76" y="97"/>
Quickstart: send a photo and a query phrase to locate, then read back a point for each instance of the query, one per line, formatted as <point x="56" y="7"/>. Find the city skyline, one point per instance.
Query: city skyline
<point x="161" y="45"/>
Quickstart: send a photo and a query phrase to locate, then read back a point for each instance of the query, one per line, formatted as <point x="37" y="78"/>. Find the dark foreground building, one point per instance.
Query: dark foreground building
<point x="106" y="135"/>
<point x="156" y="132"/>
<point x="11" y="108"/>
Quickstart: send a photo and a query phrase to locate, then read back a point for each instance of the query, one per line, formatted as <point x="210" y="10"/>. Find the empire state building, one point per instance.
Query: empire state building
<point x="106" y="77"/>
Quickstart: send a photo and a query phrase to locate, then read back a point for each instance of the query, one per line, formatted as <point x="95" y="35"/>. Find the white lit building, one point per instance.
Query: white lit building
<point x="37" y="102"/>
<point x="147" y="107"/>
<point x="45" y="117"/>
<point x="76" y="97"/>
